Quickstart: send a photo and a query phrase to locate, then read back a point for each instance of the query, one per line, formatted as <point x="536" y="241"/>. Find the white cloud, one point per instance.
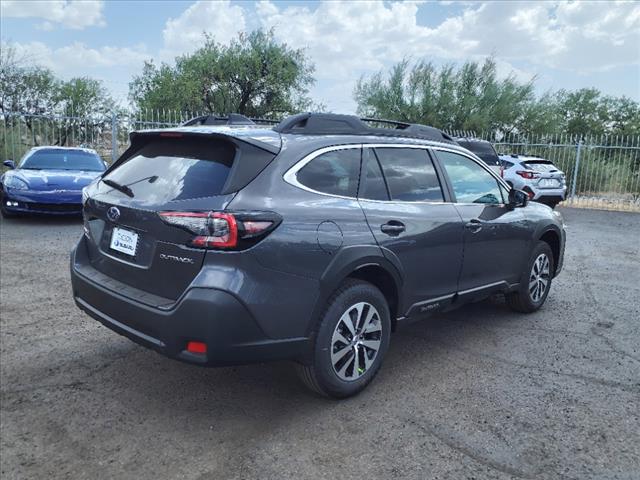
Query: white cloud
<point x="79" y="60"/>
<point x="347" y="39"/>
<point x="73" y="14"/>
<point x="184" y="34"/>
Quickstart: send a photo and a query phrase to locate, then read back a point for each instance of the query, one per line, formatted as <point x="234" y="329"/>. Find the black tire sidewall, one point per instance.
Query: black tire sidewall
<point x="328" y="379"/>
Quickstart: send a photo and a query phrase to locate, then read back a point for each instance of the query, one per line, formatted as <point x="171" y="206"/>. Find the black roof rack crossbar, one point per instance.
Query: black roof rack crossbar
<point x="334" y="124"/>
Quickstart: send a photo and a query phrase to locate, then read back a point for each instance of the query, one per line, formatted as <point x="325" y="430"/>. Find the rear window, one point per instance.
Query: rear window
<point x="168" y="169"/>
<point x="541" y="165"/>
<point x="335" y="173"/>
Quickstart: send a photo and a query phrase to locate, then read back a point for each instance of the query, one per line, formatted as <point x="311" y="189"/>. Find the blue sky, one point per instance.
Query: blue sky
<point x="564" y="44"/>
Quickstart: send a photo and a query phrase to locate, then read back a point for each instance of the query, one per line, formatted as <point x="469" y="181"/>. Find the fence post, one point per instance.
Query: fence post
<point x="575" y="168"/>
<point x="114" y="137"/>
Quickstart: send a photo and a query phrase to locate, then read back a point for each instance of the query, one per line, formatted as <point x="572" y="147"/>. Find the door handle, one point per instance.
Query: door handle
<point x="393" y="228"/>
<point x="474" y="225"/>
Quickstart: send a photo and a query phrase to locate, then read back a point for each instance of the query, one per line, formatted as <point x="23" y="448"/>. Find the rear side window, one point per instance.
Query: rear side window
<point x="168" y="169"/>
<point x="471" y="183"/>
<point x="506" y="164"/>
<point x="372" y="186"/>
<point x="336" y="173"/>
<point x="410" y="174"/>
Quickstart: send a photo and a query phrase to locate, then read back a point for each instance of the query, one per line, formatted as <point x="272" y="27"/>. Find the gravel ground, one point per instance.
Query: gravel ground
<point x="476" y="393"/>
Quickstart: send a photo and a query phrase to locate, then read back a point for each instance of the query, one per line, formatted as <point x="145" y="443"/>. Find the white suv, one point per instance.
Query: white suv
<point x="539" y="178"/>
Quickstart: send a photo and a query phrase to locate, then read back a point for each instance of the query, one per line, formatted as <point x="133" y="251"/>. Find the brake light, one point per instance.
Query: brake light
<point x="528" y="175"/>
<point x="223" y="230"/>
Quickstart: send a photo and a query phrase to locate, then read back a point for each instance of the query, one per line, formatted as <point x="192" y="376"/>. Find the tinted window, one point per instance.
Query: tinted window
<point x="410" y="174"/>
<point x="506" y="164"/>
<point x="471" y="183"/>
<point x="58" y="159"/>
<point x="372" y="185"/>
<point x="484" y="150"/>
<point x="176" y="169"/>
<point x="333" y="172"/>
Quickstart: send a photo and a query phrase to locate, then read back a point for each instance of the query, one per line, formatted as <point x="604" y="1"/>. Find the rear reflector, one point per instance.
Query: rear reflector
<point x="197" y="347"/>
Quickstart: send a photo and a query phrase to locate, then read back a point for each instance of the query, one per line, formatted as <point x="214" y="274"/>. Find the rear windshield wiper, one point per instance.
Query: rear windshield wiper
<point x="121" y="188"/>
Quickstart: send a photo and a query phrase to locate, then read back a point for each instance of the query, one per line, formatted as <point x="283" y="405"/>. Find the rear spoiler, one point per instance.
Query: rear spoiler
<point x="266" y="140"/>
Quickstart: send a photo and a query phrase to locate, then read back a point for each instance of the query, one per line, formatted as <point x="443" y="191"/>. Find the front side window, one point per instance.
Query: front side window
<point x="410" y="174"/>
<point x="334" y="173"/>
<point x="471" y="183"/>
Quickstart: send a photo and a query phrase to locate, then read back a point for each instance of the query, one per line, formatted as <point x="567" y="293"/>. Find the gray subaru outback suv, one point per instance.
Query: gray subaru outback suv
<point x="311" y="240"/>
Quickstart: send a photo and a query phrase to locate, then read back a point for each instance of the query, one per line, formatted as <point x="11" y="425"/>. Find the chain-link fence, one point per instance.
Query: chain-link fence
<point x="602" y="171"/>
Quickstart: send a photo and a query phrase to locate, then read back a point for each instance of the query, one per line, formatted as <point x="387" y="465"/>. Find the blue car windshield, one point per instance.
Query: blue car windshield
<point x="56" y="159"/>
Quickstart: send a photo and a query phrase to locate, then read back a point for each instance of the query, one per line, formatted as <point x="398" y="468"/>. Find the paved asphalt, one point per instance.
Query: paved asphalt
<point x="479" y="393"/>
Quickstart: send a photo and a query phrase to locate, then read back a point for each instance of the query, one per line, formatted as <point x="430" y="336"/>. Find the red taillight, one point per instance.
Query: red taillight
<point x="197" y="347"/>
<point x="222" y="229"/>
<point x="223" y="232"/>
<point x="527" y="174"/>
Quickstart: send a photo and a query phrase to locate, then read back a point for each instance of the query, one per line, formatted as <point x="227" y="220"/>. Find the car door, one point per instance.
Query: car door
<point x="496" y="236"/>
<point x="404" y="203"/>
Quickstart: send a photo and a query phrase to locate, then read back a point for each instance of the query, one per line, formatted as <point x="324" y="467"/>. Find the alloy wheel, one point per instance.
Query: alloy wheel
<point x="356" y="341"/>
<point x="539" y="278"/>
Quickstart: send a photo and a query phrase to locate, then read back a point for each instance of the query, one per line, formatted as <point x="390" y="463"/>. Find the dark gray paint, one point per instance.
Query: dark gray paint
<point x="281" y="284"/>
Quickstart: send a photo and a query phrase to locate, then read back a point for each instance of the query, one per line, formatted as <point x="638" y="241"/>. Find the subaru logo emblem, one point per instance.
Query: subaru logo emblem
<point x="113" y="214"/>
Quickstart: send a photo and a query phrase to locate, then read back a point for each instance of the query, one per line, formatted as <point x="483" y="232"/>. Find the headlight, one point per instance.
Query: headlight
<point x="16" y="183"/>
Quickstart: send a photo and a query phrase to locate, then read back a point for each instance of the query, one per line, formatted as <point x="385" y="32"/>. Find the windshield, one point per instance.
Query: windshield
<point x="58" y="159"/>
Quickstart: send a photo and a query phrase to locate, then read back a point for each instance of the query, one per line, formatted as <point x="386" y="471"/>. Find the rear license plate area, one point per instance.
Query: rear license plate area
<point x="124" y="241"/>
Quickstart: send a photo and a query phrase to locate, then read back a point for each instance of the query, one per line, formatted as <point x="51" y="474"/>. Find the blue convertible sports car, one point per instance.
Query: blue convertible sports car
<point x="49" y="180"/>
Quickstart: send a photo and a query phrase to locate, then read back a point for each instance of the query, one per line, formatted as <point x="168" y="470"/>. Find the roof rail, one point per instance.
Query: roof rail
<point x="231" y="119"/>
<point x="334" y="124"/>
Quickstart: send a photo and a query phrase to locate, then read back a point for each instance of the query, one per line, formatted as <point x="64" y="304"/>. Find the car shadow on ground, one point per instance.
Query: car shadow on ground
<point x="275" y="385"/>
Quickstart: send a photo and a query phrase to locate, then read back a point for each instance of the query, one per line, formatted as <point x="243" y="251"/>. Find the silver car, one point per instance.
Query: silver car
<point x="539" y="178"/>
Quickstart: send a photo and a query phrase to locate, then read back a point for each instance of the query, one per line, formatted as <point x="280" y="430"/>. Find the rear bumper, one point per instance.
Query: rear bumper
<point x="207" y="315"/>
<point x="549" y="194"/>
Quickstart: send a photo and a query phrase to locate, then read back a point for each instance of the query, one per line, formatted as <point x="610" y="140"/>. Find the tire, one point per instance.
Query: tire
<point x="529" y="298"/>
<point x="332" y="372"/>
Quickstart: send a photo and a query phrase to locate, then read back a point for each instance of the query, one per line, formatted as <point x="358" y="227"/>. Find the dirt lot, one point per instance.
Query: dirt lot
<point x="477" y="393"/>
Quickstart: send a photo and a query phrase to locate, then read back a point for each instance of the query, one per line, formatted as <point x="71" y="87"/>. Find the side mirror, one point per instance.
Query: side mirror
<point x="9" y="163"/>
<point x="518" y="198"/>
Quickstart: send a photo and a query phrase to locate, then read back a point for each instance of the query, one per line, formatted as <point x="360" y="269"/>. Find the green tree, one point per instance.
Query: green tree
<point x="472" y="97"/>
<point x="24" y="88"/>
<point x="254" y="75"/>
<point x="469" y="98"/>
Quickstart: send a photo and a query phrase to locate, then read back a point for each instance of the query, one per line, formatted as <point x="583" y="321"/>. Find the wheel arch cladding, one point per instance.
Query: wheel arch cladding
<point x="364" y="262"/>
<point x="384" y="281"/>
<point x="552" y="238"/>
